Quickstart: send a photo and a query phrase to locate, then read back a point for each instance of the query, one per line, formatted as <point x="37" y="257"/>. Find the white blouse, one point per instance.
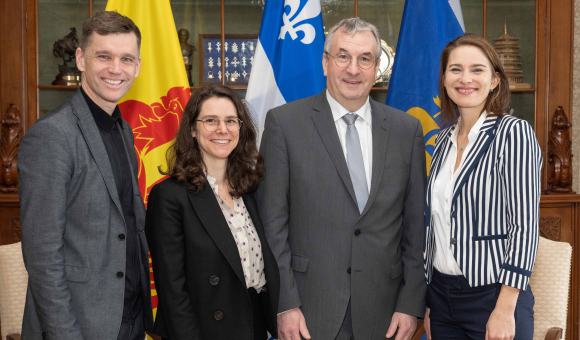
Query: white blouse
<point x="246" y="237"/>
<point x="442" y="196"/>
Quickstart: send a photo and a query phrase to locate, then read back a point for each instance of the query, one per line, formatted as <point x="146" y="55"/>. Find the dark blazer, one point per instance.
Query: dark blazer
<point x="197" y="267"/>
<point x="327" y="251"/>
<point x="71" y="225"/>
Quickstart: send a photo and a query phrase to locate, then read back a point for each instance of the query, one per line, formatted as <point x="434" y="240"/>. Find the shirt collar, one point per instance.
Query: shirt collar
<point x="473" y="133"/>
<point x="338" y="110"/>
<point x="211" y="181"/>
<point x="102" y="118"/>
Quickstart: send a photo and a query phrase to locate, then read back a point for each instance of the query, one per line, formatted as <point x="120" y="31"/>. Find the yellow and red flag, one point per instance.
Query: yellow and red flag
<point x="154" y="105"/>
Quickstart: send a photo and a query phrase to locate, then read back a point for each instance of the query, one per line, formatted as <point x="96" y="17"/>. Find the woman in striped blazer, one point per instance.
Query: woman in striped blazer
<point x="482" y="204"/>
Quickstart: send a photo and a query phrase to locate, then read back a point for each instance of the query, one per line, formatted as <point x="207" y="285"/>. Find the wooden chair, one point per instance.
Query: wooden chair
<point x="13" y="284"/>
<point x="550" y="283"/>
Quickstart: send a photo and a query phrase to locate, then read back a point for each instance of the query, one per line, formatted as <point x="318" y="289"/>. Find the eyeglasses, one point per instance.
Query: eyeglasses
<point x="343" y="60"/>
<point x="212" y="124"/>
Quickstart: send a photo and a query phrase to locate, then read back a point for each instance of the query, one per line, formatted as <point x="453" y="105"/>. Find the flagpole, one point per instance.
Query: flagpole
<point x="356" y="8"/>
<point x="484" y="19"/>
<point x="223" y="44"/>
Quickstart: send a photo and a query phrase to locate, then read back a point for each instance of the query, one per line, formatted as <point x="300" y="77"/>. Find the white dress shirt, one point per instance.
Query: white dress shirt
<point x="246" y="237"/>
<point x="363" y="125"/>
<point x="442" y="195"/>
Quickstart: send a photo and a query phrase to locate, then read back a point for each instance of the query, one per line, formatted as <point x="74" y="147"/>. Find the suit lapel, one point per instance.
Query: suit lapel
<point x="381" y="132"/>
<point x="213" y="220"/>
<point x="484" y="139"/>
<point x="324" y="123"/>
<point x="95" y="144"/>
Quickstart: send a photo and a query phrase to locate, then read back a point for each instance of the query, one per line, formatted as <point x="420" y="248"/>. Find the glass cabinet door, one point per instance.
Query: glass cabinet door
<point x="200" y="22"/>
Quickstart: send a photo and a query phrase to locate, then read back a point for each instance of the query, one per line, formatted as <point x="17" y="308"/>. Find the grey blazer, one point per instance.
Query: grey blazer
<point x="71" y="221"/>
<point x="326" y="250"/>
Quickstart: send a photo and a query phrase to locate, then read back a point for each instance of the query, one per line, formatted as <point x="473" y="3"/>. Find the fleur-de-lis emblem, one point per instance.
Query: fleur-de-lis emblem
<point x="218" y="45"/>
<point x="243" y="47"/>
<point x="244" y="61"/>
<point x="210" y="62"/>
<point x="209" y="46"/>
<point x="227" y="62"/>
<point x="309" y="11"/>
<point x="235" y="62"/>
<point x="235" y="48"/>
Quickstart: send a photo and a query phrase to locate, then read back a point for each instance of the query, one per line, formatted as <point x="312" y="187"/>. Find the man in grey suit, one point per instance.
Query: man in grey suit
<point x="81" y="211"/>
<point x="342" y="202"/>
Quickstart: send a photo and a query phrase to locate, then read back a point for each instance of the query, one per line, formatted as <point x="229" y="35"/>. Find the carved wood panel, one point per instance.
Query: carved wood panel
<point x="551" y="228"/>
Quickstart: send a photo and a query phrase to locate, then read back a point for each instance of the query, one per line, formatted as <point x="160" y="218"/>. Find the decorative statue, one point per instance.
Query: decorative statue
<point x="560" y="154"/>
<point x="69" y="75"/>
<point x="10" y="136"/>
<point x="187" y="51"/>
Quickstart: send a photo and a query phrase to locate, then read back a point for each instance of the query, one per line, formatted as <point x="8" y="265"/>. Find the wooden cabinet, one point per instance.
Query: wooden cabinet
<point x="545" y="28"/>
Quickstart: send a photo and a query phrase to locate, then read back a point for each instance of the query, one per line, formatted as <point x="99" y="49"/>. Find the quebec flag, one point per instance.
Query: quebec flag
<point x="427" y="27"/>
<point x="288" y="59"/>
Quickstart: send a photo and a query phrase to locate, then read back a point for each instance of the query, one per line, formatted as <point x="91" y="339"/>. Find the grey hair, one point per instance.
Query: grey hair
<point x="353" y="26"/>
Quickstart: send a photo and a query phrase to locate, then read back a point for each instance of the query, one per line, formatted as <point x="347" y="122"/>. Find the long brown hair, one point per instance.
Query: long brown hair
<point x="497" y="102"/>
<point x="185" y="160"/>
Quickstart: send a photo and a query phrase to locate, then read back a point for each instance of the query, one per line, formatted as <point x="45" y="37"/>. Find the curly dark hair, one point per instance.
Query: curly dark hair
<point x="185" y="160"/>
<point x="497" y="102"/>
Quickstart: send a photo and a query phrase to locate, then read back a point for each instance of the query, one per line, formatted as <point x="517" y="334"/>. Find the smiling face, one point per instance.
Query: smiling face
<point x="468" y="78"/>
<point x="109" y="64"/>
<point x="216" y="146"/>
<point x="350" y="86"/>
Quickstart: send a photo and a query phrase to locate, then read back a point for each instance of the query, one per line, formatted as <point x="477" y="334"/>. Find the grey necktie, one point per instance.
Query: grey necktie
<point x="354" y="159"/>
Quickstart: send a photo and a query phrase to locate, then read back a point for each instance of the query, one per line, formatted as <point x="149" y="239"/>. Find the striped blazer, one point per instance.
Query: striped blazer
<point x="495" y="207"/>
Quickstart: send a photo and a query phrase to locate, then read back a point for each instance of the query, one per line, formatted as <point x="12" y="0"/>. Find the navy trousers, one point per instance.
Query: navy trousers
<point x="461" y="312"/>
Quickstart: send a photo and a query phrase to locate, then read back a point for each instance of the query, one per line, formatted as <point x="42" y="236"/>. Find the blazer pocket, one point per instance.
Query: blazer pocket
<point x="299" y="263"/>
<point x="397" y="269"/>
<point x="489" y="237"/>
<point x="77" y="274"/>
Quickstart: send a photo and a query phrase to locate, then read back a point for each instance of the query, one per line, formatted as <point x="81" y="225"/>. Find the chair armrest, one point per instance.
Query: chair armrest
<point x="420" y="331"/>
<point x="554" y="333"/>
<point x="13" y="337"/>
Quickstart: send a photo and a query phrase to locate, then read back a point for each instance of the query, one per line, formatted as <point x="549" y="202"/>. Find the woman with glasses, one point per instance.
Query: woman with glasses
<point x="215" y="275"/>
<point x="482" y="204"/>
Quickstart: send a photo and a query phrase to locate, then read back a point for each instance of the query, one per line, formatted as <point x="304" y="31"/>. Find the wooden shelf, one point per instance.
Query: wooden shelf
<point x="64" y="87"/>
<point x="58" y="87"/>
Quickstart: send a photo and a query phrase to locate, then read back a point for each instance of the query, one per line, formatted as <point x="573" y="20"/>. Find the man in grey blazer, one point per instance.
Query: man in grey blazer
<point x="342" y="202"/>
<point x="81" y="211"/>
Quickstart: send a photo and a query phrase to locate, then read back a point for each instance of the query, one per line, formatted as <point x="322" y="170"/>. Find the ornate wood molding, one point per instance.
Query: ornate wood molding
<point x="560" y="155"/>
<point x="11" y="134"/>
<point x="551" y="228"/>
<point x="16" y="229"/>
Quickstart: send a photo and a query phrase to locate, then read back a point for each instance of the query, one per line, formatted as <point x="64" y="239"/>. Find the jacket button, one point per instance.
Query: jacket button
<point x="214" y="280"/>
<point x="218" y="315"/>
<point x="454" y="241"/>
<point x="121" y="237"/>
<point x="120" y="274"/>
<point x="357" y="232"/>
<point x="348" y="270"/>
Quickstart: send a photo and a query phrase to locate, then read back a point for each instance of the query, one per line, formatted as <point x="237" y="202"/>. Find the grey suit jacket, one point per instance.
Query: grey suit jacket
<point x="71" y="221"/>
<point x="326" y="250"/>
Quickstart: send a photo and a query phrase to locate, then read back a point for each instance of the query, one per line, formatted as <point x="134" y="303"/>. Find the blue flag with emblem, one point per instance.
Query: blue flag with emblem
<point x="288" y="60"/>
<point x="427" y="27"/>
